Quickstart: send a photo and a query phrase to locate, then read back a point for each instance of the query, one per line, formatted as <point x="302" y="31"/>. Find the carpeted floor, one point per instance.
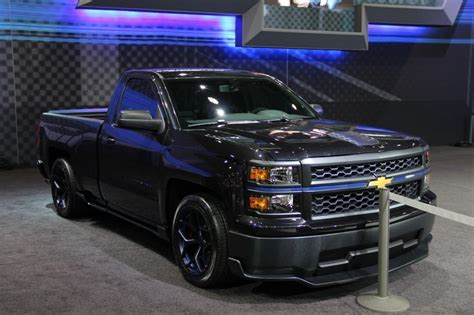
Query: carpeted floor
<point x="104" y="265"/>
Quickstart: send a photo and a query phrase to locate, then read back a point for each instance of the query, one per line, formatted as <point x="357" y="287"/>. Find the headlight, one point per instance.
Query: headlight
<point x="427" y="158"/>
<point x="274" y="204"/>
<point x="426" y="182"/>
<point x="427" y="179"/>
<point x="274" y="175"/>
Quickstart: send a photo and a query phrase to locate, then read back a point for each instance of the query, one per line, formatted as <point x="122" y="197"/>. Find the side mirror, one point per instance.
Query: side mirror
<point x="140" y="120"/>
<point x="318" y="109"/>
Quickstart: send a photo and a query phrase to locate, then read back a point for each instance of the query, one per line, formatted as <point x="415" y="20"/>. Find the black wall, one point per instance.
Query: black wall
<point x="422" y="89"/>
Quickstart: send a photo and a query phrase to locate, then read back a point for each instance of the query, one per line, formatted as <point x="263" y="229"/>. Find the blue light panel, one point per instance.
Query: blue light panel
<point x="59" y="21"/>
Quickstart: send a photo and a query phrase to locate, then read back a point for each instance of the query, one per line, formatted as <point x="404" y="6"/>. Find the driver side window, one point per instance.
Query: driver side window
<point x="140" y="94"/>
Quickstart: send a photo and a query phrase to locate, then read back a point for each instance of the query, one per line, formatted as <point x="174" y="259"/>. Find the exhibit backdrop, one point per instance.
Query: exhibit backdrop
<point x="413" y="79"/>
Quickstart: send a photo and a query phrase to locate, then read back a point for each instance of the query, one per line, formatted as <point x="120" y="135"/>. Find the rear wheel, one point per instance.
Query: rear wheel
<point x="199" y="237"/>
<point x="64" y="191"/>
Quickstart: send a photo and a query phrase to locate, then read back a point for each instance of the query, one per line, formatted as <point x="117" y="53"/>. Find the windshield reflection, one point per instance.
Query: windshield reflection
<point x="200" y="102"/>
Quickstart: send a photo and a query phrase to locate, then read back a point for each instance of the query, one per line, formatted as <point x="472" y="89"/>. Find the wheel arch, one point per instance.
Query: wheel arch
<point x="55" y="153"/>
<point x="178" y="188"/>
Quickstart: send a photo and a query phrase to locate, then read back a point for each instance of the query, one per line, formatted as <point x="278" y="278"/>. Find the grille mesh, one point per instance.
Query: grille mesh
<point x="352" y="201"/>
<point x="365" y="169"/>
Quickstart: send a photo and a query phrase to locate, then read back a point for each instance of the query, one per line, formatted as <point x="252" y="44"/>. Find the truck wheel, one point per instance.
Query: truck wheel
<point x="63" y="188"/>
<point x="199" y="237"/>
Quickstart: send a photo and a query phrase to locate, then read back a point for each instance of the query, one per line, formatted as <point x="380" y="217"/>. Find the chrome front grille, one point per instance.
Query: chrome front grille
<point x="331" y="172"/>
<point x="347" y="202"/>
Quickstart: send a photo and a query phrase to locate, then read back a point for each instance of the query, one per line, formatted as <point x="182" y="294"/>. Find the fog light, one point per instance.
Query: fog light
<point x="260" y="203"/>
<point x="282" y="203"/>
<point x="275" y="204"/>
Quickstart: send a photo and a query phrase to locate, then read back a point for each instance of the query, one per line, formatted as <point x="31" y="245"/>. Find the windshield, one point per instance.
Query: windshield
<point x="209" y="101"/>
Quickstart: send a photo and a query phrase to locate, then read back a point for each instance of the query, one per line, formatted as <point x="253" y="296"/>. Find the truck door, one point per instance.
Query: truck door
<point x="130" y="160"/>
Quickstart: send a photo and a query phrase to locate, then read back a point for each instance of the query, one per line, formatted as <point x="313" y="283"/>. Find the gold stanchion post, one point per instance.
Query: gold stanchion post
<point x="382" y="301"/>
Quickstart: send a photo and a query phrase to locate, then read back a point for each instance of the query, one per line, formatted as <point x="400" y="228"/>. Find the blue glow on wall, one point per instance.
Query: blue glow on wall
<point x="399" y="30"/>
<point x="466" y="16"/>
<point x="59" y="21"/>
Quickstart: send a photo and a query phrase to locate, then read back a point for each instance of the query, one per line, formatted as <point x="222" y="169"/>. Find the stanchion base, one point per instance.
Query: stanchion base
<point x="392" y="303"/>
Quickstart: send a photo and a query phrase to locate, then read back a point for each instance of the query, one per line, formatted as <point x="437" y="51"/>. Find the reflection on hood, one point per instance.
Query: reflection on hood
<point x="311" y="138"/>
<point x="356" y="135"/>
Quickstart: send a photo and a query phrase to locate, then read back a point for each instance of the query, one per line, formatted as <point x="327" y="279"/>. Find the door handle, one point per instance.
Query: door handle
<point x="110" y="140"/>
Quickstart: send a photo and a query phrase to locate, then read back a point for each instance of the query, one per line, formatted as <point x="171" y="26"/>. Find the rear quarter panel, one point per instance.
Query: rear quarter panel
<point x="76" y="139"/>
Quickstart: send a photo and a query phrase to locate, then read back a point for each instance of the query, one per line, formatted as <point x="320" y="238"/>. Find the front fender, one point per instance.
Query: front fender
<point x="223" y="176"/>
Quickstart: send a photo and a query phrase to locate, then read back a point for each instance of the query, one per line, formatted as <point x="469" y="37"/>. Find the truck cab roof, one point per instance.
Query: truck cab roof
<point x="176" y="73"/>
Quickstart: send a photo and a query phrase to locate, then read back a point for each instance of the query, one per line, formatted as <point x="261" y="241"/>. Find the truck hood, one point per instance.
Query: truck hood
<point x="314" y="138"/>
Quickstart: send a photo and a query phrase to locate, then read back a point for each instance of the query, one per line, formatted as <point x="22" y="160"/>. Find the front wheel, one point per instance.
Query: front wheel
<point x="199" y="237"/>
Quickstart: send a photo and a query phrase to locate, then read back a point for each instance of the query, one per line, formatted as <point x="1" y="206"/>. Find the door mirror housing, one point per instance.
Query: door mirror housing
<point x="318" y="109"/>
<point x="140" y="120"/>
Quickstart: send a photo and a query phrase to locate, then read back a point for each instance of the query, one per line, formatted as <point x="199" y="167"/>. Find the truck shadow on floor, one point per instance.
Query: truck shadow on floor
<point x="152" y="256"/>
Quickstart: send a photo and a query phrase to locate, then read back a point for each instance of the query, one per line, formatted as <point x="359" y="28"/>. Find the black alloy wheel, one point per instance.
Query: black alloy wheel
<point x="195" y="244"/>
<point x="64" y="190"/>
<point x="60" y="188"/>
<point x="199" y="237"/>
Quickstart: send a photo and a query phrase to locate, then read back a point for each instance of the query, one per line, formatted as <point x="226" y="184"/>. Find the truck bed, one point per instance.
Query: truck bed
<point x="72" y="133"/>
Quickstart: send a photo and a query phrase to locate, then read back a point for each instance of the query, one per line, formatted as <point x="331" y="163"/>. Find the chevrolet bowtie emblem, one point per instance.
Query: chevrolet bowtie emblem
<point x="381" y="182"/>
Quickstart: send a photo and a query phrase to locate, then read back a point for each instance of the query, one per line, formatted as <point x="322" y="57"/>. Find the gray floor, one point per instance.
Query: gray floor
<point x="103" y="265"/>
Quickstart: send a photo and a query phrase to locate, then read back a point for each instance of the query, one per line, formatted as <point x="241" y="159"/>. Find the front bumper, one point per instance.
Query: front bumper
<point x="327" y="259"/>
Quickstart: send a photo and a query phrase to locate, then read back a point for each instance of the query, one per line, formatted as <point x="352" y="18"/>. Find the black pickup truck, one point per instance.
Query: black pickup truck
<point x="241" y="174"/>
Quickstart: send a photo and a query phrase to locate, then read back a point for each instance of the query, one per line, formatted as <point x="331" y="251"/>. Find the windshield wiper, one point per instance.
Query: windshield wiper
<point x="282" y="119"/>
<point x="209" y="123"/>
<point x="225" y="122"/>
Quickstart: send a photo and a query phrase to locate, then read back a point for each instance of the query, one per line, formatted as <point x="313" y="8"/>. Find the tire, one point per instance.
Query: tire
<point x="64" y="191"/>
<point x="199" y="226"/>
